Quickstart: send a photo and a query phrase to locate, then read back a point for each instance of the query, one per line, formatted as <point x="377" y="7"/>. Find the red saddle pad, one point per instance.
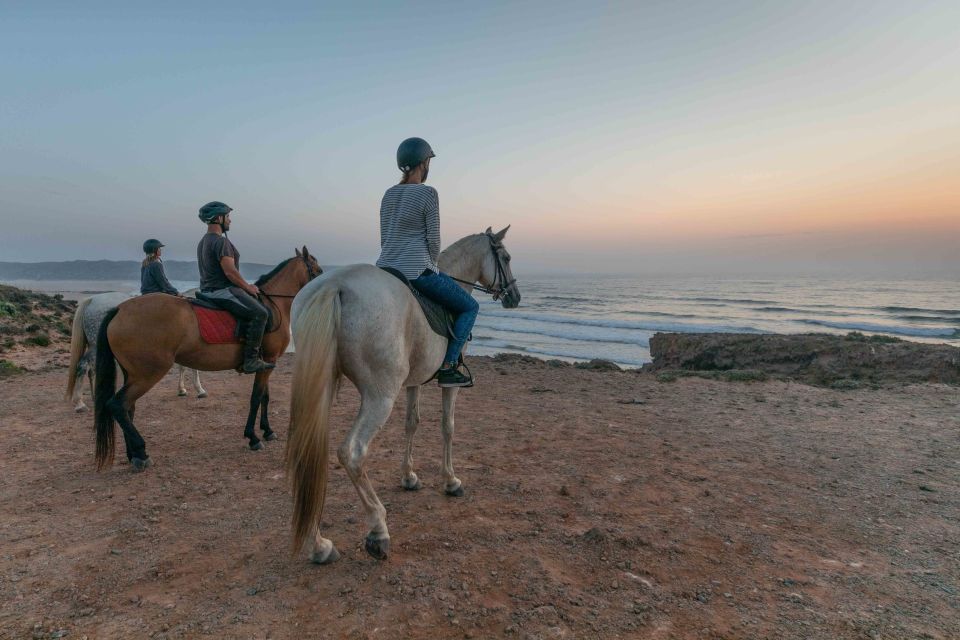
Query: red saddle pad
<point x="216" y="325"/>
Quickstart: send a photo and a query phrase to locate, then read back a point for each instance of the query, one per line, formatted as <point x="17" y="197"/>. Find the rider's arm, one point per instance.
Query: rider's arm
<point x="233" y="275"/>
<point x="383" y="223"/>
<point x="161" y="279"/>
<point x="432" y="220"/>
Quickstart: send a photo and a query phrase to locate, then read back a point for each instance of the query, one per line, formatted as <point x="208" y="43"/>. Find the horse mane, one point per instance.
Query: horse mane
<point x="265" y="278"/>
<point x="453" y="257"/>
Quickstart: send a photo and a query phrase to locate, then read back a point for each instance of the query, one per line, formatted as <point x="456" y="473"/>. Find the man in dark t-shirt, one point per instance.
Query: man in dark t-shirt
<point x="222" y="284"/>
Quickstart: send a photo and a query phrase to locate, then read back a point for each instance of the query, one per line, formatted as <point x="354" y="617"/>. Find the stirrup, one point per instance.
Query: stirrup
<point x="466" y="382"/>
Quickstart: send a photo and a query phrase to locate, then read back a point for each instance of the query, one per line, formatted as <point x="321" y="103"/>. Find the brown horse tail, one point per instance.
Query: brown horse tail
<point x="106" y="385"/>
<point x="315" y="380"/>
<point x="78" y="344"/>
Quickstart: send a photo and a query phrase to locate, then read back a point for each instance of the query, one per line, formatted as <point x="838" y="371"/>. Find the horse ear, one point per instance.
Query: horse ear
<point x="499" y="235"/>
<point x="489" y="230"/>
<point x="306" y="253"/>
<point x="298" y="252"/>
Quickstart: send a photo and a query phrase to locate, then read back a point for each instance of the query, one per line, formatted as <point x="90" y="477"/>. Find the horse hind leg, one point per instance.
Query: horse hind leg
<point x="409" y="479"/>
<point x="374" y="411"/>
<point x="123" y="407"/>
<point x="83" y="371"/>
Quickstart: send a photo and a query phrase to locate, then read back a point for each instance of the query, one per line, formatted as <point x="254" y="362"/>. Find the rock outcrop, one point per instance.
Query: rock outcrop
<point x="815" y="358"/>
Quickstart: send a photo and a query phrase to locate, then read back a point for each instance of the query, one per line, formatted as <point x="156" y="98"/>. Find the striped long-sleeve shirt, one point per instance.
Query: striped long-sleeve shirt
<point x="410" y="229"/>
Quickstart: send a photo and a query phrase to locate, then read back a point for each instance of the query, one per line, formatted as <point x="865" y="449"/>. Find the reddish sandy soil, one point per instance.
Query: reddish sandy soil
<point x="704" y="509"/>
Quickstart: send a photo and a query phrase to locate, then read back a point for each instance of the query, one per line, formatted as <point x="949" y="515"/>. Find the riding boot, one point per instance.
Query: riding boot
<point x="253" y="335"/>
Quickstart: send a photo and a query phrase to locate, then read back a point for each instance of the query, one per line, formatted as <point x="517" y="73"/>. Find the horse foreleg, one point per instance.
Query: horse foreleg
<point x="256" y="398"/>
<point x="409" y="479"/>
<point x="452" y="485"/>
<point x="201" y="392"/>
<point x="374" y="411"/>
<point x="181" y="385"/>
<point x="268" y="433"/>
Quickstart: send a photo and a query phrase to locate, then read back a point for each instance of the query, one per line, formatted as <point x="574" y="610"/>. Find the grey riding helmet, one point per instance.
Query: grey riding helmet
<point x="412" y="152"/>
<point x="151" y="246"/>
<point x="213" y="210"/>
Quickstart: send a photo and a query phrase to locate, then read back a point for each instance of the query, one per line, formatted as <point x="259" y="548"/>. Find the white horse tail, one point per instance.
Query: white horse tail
<point x="78" y="344"/>
<point x="315" y="378"/>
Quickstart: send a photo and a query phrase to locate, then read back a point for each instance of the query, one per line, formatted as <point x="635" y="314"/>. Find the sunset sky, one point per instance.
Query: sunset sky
<point x="630" y="137"/>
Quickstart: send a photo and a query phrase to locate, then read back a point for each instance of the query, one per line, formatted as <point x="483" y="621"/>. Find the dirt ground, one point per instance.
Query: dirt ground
<point x="598" y="505"/>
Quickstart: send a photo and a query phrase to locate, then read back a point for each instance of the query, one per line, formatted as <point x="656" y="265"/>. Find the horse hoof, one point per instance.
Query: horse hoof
<point x="202" y="394"/>
<point x="270" y="436"/>
<point x="181" y="394"/>
<point x="379" y="548"/>
<point x="139" y="464"/>
<point x="456" y="493"/>
<point x="416" y="485"/>
<point x="332" y="556"/>
<point x="256" y="446"/>
<point x="80" y="409"/>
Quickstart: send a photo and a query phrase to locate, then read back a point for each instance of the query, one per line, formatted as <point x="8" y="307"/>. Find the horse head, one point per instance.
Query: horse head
<point x="496" y="273"/>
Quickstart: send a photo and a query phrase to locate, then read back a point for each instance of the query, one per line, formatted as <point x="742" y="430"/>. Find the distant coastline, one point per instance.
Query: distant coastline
<point x="117" y="270"/>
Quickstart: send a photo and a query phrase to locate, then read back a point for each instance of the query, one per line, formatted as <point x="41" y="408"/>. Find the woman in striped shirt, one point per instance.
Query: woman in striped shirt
<point x="410" y="243"/>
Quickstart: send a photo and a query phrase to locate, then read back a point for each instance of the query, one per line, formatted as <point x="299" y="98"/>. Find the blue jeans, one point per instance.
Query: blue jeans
<point x="442" y="289"/>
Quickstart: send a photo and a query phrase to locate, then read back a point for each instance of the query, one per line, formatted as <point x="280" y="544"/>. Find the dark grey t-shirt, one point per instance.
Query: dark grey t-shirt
<point x="211" y="249"/>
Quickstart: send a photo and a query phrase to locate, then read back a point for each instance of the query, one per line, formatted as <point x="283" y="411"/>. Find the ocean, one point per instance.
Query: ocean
<point x="613" y="317"/>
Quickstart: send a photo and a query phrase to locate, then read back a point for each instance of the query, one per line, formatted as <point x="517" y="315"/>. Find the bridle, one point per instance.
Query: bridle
<point x="269" y="296"/>
<point x="501" y="275"/>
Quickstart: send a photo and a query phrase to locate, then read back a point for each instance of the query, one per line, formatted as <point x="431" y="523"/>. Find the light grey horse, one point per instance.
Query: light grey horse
<point x="362" y="323"/>
<point x="83" y="346"/>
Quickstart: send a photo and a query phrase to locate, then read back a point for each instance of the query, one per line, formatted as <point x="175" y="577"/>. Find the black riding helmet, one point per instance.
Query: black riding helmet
<point x="412" y="152"/>
<point x="213" y="210"/>
<point x="151" y="246"/>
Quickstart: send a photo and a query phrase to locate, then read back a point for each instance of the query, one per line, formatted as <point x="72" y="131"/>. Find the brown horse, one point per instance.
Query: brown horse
<point x="148" y="334"/>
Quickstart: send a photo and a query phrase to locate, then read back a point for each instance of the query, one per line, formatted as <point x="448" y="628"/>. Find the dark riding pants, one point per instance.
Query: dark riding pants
<point x="441" y="288"/>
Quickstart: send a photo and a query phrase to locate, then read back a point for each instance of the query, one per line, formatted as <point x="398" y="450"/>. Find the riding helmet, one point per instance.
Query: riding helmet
<point x="213" y="210"/>
<point x="151" y="246"/>
<point x="412" y="152"/>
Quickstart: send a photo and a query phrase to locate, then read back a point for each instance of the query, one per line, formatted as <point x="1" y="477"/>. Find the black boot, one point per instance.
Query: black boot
<point x="253" y="334"/>
<point x="450" y="376"/>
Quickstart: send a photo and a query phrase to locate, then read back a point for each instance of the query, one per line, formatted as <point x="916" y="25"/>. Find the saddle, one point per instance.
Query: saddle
<point x="219" y="326"/>
<point x="440" y="320"/>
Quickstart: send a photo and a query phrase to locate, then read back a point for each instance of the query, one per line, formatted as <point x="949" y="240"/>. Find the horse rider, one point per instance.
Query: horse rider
<point x="222" y="284"/>
<point x="152" y="277"/>
<point x="410" y="243"/>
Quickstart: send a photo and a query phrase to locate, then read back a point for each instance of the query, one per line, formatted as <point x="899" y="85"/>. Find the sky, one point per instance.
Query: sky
<point x="635" y="137"/>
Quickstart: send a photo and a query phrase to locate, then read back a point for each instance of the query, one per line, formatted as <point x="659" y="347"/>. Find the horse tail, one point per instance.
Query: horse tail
<point x="106" y="385"/>
<point x="78" y="344"/>
<point x="315" y="380"/>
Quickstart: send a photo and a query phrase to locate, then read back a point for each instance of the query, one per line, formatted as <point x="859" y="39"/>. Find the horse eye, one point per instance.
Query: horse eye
<point x="507" y="258"/>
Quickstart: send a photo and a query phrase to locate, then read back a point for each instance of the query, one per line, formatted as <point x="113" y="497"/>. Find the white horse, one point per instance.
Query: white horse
<point x="83" y="346"/>
<point x="363" y="323"/>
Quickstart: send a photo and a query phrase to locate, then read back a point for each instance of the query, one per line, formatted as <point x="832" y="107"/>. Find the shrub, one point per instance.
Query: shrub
<point x="845" y="385"/>
<point x="744" y="375"/>
<point x="41" y="340"/>
<point x="8" y="368"/>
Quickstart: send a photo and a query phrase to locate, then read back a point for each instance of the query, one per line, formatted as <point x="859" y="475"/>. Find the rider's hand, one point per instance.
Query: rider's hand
<point x="253" y="290"/>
